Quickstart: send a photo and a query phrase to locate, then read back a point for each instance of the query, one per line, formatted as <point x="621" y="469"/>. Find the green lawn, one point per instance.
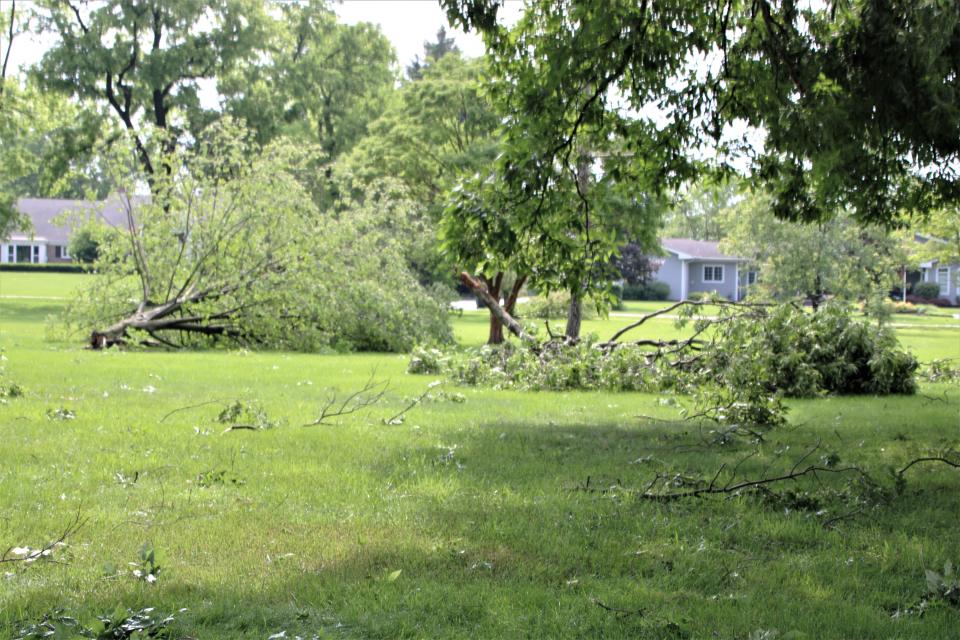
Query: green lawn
<point x="462" y="522"/>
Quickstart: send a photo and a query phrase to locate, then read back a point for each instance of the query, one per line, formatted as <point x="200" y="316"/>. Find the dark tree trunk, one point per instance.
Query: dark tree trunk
<point x="574" y="318"/>
<point x="496" y="326"/>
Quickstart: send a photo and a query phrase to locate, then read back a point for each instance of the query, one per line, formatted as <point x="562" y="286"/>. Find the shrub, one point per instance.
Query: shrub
<point x="51" y="267"/>
<point x="906" y="307"/>
<point x="552" y="306"/>
<point x="926" y="290"/>
<point x="85" y="246"/>
<point x="649" y="291"/>
<point x="426" y="361"/>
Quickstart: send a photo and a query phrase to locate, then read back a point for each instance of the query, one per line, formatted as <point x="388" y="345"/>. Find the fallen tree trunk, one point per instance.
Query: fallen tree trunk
<point x="154" y="318"/>
<point x="496" y="309"/>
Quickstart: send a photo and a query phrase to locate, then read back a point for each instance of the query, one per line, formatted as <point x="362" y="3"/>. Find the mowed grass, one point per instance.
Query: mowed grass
<point x="473" y="502"/>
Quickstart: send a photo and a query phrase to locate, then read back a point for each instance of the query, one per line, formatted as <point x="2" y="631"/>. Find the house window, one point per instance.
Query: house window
<point x="713" y="273"/>
<point x="36" y="254"/>
<point x="943" y="279"/>
<point x="751" y="277"/>
<point x="60" y="252"/>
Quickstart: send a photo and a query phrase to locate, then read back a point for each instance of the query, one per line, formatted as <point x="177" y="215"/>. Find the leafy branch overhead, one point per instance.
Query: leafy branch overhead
<point x="850" y="105"/>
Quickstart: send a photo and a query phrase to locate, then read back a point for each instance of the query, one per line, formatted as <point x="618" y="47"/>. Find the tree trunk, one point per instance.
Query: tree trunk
<point x="493" y="304"/>
<point x="574" y="317"/>
<point x="496" y="327"/>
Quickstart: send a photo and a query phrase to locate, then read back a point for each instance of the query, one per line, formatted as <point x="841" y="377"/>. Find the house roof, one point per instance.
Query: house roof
<point x="687" y="249"/>
<point x="50" y="223"/>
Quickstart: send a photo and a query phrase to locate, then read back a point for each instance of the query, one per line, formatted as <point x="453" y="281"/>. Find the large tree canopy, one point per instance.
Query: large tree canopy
<point x="320" y="80"/>
<point x="147" y="58"/>
<point x="857" y="101"/>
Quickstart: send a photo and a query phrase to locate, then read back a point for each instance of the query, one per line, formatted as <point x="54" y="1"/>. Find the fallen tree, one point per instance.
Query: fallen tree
<point x="233" y="251"/>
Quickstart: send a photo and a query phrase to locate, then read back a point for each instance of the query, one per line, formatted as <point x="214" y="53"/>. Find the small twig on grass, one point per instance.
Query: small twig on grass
<point x="46" y="551"/>
<point x="828" y="524"/>
<point x="398" y="418"/>
<point x="703" y="488"/>
<point x="241" y="427"/>
<point x="189" y="407"/>
<point x="945" y="461"/>
<point x="621" y="613"/>
<point x="354" y="402"/>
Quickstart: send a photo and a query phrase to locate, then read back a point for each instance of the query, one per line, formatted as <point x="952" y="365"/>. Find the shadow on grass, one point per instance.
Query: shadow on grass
<point x="483" y="533"/>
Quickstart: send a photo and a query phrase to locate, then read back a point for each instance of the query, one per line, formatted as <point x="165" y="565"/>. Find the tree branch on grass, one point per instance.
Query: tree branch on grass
<point x="370" y="394"/>
<point x="732" y="486"/>
<point x="398" y="418"/>
<point x="27" y="555"/>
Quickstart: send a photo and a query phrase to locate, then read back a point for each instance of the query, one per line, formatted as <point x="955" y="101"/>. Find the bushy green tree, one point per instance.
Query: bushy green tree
<point x="438" y="129"/>
<point x="146" y="59"/>
<point x="236" y="253"/>
<point x="318" y="80"/>
<point x="835" y="256"/>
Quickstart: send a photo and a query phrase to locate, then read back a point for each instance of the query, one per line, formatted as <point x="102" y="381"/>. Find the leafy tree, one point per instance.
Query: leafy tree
<point x="147" y="59"/>
<point x="634" y="264"/>
<point x="85" y="242"/>
<point x="857" y="102"/>
<point x="321" y="81"/>
<point x="698" y="209"/>
<point x="438" y="129"/>
<point x="942" y="228"/>
<point x="235" y="252"/>
<point x="836" y="256"/>
<point x="432" y="52"/>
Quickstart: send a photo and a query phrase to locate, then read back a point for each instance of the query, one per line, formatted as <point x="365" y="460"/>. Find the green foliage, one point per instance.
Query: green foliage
<point x="46" y="143"/>
<point x="85" y="244"/>
<point x="837" y="256"/>
<point x="551" y="306"/>
<point x="322" y="82"/>
<point x="120" y="625"/>
<point x="438" y="129"/>
<point x="941" y="370"/>
<point x="650" y="291"/>
<point x="236" y="247"/>
<point x="146" y="567"/>
<point x="802" y="354"/>
<point x="927" y="290"/>
<point x="426" y="361"/>
<point x="738" y="377"/>
<point x="146" y="61"/>
<point x="857" y="104"/>
<point x="8" y="388"/>
<point x="943" y="590"/>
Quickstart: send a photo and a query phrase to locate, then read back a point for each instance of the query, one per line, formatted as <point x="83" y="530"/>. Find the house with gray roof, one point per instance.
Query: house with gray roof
<point x="52" y="222"/>
<point x="698" y="266"/>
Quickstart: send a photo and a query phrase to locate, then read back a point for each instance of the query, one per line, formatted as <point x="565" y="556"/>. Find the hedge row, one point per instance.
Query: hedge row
<point x="50" y="267"/>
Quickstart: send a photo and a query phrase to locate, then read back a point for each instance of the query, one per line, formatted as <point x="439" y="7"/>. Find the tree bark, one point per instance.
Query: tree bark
<point x="574" y="317"/>
<point x="481" y="291"/>
<point x="495" y="335"/>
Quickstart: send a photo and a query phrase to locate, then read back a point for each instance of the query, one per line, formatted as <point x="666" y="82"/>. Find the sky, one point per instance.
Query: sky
<point x="406" y="23"/>
<point x="409" y="23"/>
